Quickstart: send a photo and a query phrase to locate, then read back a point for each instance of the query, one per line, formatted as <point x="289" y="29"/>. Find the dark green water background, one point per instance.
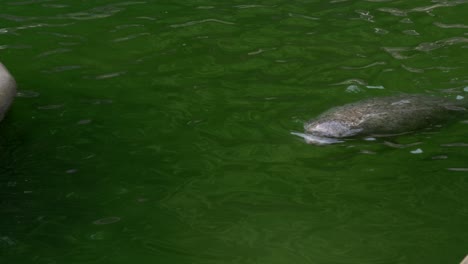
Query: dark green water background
<point x="158" y="132"/>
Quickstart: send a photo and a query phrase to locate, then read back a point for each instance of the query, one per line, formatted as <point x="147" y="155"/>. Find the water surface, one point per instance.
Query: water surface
<point x="160" y="132"/>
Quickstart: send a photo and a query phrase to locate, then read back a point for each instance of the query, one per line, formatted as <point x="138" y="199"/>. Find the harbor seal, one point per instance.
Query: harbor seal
<point x="7" y="90"/>
<point x="380" y="116"/>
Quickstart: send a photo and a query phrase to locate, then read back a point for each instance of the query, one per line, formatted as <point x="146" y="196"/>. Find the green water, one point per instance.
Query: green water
<point x="159" y="132"/>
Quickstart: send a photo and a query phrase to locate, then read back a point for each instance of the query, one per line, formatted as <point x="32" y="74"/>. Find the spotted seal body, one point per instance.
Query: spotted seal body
<point x="7" y="90"/>
<point x="381" y="116"/>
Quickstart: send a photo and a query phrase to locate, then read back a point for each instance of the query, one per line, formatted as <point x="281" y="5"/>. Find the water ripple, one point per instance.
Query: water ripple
<point x="406" y="21"/>
<point x="130" y="37"/>
<point x="411" y="32"/>
<point x="65" y="36"/>
<point x="303" y="16"/>
<point x="146" y="18"/>
<point x="27" y="94"/>
<point x="62" y="68"/>
<point x="396" y="52"/>
<point x="53" y="52"/>
<point x="15" y="47"/>
<point x="50" y="107"/>
<point x="442" y="25"/>
<point x="256" y="52"/>
<point x="191" y="23"/>
<point x="120" y="27"/>
<point x="37" y="25"/>
<point x="365" y="15"/>
<point x="16" y="18"/>
<point x="380" y="31"/>
<point x="364" y="67"/>
<point x="457" y="169"/>
<point x="428" y="46"/>
<point x="457" y="144"/>
<point x="110" y="75"/>
<point x="443" y="4"/>
<point x="352" y="81"/>
<point x="411" y="69"/>
<point x="55" y="5"/>
<point x="107" y="220"/>
<point x="28" y="2"/>
<point x="93" y="14"/>
<point x="248" y="6"/>
<point x="100" y="12"/>
<point x="393" y="11"/>
<point x="205" y="7"/>
<point x="396" y="145"/>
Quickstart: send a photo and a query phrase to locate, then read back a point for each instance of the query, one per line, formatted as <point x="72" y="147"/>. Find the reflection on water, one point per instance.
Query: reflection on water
<point x="148" y="132"/>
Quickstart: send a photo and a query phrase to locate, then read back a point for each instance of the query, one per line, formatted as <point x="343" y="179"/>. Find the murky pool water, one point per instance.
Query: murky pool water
<point x="159" y="132"/>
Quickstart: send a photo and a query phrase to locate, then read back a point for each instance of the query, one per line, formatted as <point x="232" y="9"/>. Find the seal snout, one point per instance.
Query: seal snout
<point x="331" y="129"/>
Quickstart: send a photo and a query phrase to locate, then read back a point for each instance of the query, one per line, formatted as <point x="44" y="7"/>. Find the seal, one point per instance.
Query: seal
<point x="380" y="116"/>
<point x="7" y="90"/>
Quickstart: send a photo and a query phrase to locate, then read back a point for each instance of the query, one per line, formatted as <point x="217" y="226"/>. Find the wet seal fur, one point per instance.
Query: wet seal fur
<point x="380" y="116"/>
<point x="7" y="90"/>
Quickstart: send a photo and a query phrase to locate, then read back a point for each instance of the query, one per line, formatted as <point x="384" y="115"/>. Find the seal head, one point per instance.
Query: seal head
<point x="383" y="116"/>
<point x="7" y="90"/>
